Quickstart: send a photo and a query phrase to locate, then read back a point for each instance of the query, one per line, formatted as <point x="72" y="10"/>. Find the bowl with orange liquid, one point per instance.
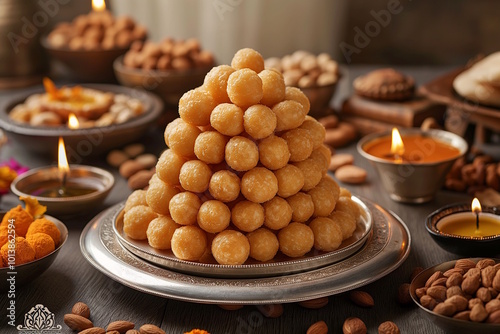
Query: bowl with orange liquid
<point x="412" y="165"/>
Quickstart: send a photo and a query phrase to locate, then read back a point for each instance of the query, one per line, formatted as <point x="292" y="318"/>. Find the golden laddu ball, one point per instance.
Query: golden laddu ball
<point x="244" y="175"/>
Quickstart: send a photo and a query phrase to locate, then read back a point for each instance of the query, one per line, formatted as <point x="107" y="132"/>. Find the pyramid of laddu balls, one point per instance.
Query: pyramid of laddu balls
<point x="245" y="174"/>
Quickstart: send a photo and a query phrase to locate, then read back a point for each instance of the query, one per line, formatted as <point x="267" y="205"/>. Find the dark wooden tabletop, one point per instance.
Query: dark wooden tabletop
<point x="71" y="278"/>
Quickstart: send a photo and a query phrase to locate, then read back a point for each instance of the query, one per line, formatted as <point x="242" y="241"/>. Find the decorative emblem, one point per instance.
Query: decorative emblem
<point x="39" y="320"/>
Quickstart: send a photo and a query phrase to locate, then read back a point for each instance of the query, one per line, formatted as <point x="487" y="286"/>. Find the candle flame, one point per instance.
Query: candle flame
<point x="73" y="121"/>
<point x="476" y="206"/>
<point x="98" y="5"/>
<point x="62" y="161"/>
<point x="397" y="146"/>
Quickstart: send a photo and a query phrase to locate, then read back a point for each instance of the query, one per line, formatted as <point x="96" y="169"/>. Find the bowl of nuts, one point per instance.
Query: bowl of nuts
<point x="461" y="296"/>
<point x="90" y="43"/>
<point x="169" y="68"/>
<point x="317" y="76"/>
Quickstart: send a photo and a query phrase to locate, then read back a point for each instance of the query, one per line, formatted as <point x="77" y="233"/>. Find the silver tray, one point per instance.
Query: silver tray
<point x="386" y="248"/>
<point x="280" y="265"/>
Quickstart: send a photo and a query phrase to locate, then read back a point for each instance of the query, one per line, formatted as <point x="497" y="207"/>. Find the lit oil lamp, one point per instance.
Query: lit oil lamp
<point x="412" y="165"/>
<point x="64" y="189"/>
<point x="466" y="229"/>
<point x="471" y="224"/>
<point x="73" y="122"/>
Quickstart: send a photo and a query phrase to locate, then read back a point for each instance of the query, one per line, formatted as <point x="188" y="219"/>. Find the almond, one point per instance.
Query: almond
<point x="132" y="331"/>
<point x="478" y="313"/>
<point x="112" y="332"/>
<point x="464" y="315"/>
<point x="388" y="327"/>
<point x="470" y="284"/>
<point x="440" y="281"/>
<point x="496" y="281"/>
<point x="465" y="264"/>
<point x="421" y="292"/>
<point x="314" y="303"/>
<point x="361" y="298"/>
<point x="77" y="322"/>
<point x="271" y="310"/>
<point x="437" y="292"/>
<point x="494" y="317"/>
<point x="433" y="277"/>
<point x="454" y="291"/>
<point x="93" y="330"/>
<point x="460" y="302"/>
<point x="319" y="327"/>
<point x="428" y="302"/>
<point x="473" y="302"/>
<point x="492" y="306"/>
<point x="446" y="309"/>
<point x="451" y="271"/>
<point x="354" y="325"/>
<point x="454" y="279"/>
<point x="339" y="160"/>
<point x="121" y="326"/>
<point x="481" y="264"/>
<point x="151" y="329"/>
<point x="351" y="174"/>
<point x="483" y="294"/>
<point x="81" y="309"/>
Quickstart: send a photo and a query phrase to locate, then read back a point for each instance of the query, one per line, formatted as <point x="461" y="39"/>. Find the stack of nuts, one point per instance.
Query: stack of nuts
<point x="97" y="31"/>
<point x="469" y="291"/>
<point x="481" y="173"/>
<point x="303" y="69"/>
<point x="134" y="165"/>
<point x="168" y="54"/>
<point x="79" y="320"/>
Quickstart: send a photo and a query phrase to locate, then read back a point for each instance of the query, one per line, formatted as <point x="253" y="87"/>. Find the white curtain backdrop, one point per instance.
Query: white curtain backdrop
<point x="273" y="27"/>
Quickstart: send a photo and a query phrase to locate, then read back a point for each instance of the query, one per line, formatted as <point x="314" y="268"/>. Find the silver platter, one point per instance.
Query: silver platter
<point x="385" y="249"/>
<point x="281" y="265"/>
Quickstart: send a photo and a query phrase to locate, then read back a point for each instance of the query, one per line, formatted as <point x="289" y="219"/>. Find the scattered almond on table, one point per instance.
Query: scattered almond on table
<point x="353" y="325"/>
<point x="134" y="165"/>
<point x="361" y="298"/>
<point x="319" y="327"/>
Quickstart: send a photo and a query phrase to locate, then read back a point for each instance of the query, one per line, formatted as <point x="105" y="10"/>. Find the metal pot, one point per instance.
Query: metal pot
<point x="22" y="58"/>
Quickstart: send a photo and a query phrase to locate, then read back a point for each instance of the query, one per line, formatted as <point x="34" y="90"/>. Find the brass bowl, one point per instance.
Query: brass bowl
<point x="25" y="273"/>
<point x="448" y="324"/>
<point x="170" y="85"/>
<point x="84" y="142"/>
<point x="87" y="65"/>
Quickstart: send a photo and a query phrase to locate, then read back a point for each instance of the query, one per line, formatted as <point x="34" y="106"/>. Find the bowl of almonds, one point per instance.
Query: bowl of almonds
<point x="168" y="68"/>
<point x="461" y="296"/>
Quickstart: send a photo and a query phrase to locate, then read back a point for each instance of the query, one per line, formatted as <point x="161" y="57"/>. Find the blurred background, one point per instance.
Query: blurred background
<point x="446" y="32"/>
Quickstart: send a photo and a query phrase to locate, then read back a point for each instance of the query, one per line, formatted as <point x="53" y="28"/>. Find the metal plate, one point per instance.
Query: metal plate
<point x="385" y="250"/>
<point x="280" y="265"/>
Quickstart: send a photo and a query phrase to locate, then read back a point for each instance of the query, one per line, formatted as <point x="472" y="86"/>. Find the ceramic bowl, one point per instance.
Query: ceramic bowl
<point x="27" y="272"/>
<point x="448" y="324"/>
<point x="462" y="245"/>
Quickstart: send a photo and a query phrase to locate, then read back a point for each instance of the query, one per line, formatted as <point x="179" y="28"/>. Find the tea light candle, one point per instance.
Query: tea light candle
<point x="412" y="165"/>
<point x="470" y="224"/>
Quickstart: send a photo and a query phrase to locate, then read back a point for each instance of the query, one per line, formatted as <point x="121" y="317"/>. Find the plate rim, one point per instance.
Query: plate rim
<point x="247" y="291"/>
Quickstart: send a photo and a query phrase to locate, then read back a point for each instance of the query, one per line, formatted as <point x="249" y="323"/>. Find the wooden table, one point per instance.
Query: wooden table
<point x="71" y="278"/>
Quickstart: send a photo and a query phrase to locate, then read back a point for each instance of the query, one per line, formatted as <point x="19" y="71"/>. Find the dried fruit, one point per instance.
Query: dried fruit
<point x="454" y="291"/>
<point x="433" y="277"/>
<point x="121" y="326"/>
<point x="494" y="318"/>
<point x="483" y="294"/>
<point x="319" y="327"/>
<point x="481" y="264"/>
<point x="460" y="302"/>
<point x="454" y="279"/>
<point x="132" y="331"/>
<point x="428" y="302"/>
<point x="437" y="292"/>
<point x="361" y="298"/>
<point x="404" y="297"/>
<point x="314" y="303"/>
<point x="451" y="271"/>
<point x="446" y="309"/>
<point x="478" y="313"/>
<point x="151" y="329"/>
<point x="471" y="284"/>
<point x="271" y="310"/>
<point x="440" y="281"/>
<point x="464" y="315"/>
<point x="77" y="322"/>
<point x="354" y="325"/>
<point x="421" y="292"/>
<point x="473" y="302"/>
<point x="492" y="306"/>
<point x="93" y="330"/>
<point x="465" y="264"/>
<point x="388" y="327"/>
<point x="81" y="309"/>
